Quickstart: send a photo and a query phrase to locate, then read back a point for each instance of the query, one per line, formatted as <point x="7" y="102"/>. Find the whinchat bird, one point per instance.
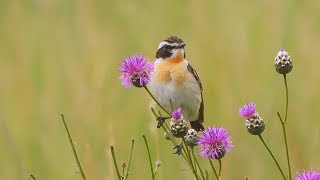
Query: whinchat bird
<point x="175" y="83"/>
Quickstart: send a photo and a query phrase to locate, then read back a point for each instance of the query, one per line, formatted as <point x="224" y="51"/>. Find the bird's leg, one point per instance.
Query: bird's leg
<point x="178" y="148"/>
<point x="161" y="120"/>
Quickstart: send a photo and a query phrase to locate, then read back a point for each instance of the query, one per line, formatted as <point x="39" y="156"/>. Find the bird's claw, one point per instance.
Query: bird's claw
<point x="178" y="149"/>
<point x="161" y="120"/>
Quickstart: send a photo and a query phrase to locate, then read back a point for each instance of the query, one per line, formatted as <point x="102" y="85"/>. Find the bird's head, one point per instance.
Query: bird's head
<point x="172" y="47"/>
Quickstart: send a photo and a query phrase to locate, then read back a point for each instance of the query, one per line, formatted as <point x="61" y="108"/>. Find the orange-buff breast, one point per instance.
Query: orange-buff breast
<point x="173" y="69"/>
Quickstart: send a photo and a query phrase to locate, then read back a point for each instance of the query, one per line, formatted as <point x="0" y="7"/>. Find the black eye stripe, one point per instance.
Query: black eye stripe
<point x="163" y="53"/>
<point x="168" y="46"/>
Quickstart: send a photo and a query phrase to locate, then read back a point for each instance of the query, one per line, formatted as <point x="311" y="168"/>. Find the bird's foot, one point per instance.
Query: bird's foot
<point x="161" y="120"/>
<point x="178" y="149"/>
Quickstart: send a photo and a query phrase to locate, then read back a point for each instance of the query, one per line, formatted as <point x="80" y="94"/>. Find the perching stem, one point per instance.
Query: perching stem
<point x="152" y="96"/>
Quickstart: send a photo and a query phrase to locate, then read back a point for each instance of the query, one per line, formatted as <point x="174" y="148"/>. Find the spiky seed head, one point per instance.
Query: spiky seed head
<point x="179" y="128"/>
<point x="191" y="138"/>
<point x="255" y="125"/>
<point x="283" y="62"/>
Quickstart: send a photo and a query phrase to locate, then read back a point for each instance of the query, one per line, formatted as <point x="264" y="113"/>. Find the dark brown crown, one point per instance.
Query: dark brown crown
<point x="174" y="39"/>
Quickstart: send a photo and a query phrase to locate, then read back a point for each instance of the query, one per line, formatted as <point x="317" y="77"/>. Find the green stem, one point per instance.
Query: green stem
<point x="115" y="162"/>
<point x="33" y="177"/>
<point x="286" y="143"/>
<point x="283" y="126"/>
<point x="214" y="169"/>
<point x="146" y="88"/>
<point x="274" y="159"/>
<point x="197" y="163"/>
<point x="186" y="150"/>
<point x="73" y="148"/>
<point x="287" y="97"/>
<point x="123" y="173"/>
<point x="165" y="128"/>
<point x="129" y="161"/>
<point x="220" y="167"/>
<point x="149" y="156"/>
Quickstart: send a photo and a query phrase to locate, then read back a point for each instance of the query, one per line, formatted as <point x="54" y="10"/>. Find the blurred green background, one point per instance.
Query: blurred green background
<point x="63" y="56"/>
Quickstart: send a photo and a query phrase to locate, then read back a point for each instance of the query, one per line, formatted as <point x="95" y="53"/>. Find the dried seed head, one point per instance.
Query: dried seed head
<point x="255" y="125"/>
<point x="191" y="138"/>
<point x="283" y="62"/>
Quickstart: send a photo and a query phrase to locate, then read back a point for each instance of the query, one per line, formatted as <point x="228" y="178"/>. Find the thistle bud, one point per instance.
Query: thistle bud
<point x="191" y="138"/>
<point x="178" y="126"/>
<point x="255" y="125"/>
<point x="283" y="62"/>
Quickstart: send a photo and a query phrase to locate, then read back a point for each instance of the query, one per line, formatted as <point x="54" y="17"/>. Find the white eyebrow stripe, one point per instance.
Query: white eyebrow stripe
<point x="166" y="43"/>
<point x="162" y="44"/>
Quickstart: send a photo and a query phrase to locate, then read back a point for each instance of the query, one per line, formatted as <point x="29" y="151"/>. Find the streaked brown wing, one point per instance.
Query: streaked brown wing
<point x="196" y="76"/>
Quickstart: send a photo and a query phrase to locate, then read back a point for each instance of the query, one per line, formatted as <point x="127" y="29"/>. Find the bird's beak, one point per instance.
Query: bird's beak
<point x="181" y="45"/>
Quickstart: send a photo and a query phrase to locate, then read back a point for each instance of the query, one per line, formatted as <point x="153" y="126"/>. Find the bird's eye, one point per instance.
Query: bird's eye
<point x="167" y="47"/>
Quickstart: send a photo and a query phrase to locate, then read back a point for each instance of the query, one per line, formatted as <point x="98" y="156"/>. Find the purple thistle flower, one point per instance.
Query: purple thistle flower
<point x="177" y="114"/>
<point x="214" y="143"/>
<point x="309" y="175"/>
<point x="136" y="70"/>
<point x="247" y="110"/>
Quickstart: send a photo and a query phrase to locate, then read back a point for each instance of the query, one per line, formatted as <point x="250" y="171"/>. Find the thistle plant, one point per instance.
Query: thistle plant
<point x="136" y="71"/>
<point x="283" y="64"/>
<point x="254" y="123"/>
<point x="214" y="142"/>
<point x="255" y="126"/>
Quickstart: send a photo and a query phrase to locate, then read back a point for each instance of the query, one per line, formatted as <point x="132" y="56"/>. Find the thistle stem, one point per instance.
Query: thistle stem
<point x="287" y="97"/>
<point x="165" y="128"/>
<point x="152" y="96"/>
<point x="33" y="177"/>
<point x="115" y="162"/>
<point x="283" y="126"/>
<point x="129" y="161"/>
<point x="123" y="171"/>
<point x="149" y="156"/>
<point x="197" y="163"/>
<point x="186" y="150"/>
<point x="274" y="159"/>
<point x="214" y="169"/>
<point x="220" y="167"/>
<point x="286" y="143"/>
<point x="73" y="148"/>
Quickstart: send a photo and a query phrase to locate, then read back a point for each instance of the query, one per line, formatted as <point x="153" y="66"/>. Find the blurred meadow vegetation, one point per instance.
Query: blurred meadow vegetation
<point x="63" y="56"/>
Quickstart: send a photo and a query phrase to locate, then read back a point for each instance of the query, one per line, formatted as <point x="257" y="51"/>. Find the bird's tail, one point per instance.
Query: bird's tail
<point x="197" y="125"/>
